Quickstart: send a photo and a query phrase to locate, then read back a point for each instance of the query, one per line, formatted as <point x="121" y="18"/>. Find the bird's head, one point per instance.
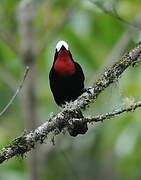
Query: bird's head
<point x="62" y="50"/>
<point x="63" y="61"/>
<point x="62" y="45"/>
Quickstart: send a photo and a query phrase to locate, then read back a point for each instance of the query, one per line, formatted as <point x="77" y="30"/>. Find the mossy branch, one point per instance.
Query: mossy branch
<point x="108" y="77"/>
<point x="101" y="117"/>
<point x="66" y="117"/>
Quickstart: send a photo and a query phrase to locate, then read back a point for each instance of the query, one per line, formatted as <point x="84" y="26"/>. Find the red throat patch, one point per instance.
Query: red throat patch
<point x="64" y="64"/>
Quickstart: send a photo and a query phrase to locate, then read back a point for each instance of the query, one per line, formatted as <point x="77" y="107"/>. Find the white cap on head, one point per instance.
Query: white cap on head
<point x="60" y="44"/>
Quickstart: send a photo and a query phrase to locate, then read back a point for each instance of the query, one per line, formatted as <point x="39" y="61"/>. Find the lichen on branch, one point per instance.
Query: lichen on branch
<point x="67" y="116"/>
<point x="109" y="76"/>
<point x="112" y="114"/>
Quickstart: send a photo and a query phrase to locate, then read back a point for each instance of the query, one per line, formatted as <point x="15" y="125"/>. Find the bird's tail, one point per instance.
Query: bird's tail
<point x="78" y="128"/>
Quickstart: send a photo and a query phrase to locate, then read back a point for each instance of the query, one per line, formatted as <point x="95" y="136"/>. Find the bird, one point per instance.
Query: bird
<point x="67" y="82"/>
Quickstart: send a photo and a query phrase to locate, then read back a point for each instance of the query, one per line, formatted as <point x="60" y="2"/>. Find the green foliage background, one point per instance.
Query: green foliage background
<point x="110" y="150"/>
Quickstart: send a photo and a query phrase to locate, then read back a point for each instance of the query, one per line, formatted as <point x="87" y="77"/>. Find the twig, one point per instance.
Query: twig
<point x="113" y="13"/>
<point x="112" y="114"/>
<point x="64" y="119"/>
<point x="16" y="93"/>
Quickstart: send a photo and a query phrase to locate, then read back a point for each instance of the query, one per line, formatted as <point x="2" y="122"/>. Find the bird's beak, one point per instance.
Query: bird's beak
<point x="63" y="48"/>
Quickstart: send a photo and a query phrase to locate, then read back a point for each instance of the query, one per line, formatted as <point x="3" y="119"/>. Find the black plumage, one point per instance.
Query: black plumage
<point x="67" y="87"/>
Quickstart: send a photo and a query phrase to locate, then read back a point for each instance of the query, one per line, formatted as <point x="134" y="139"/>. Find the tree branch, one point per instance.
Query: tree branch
<point x="26" y="12"/>
<point x="108" y="77"/>
<point x="26" y="142"/>
<point x="119" y="47"/>
<point x="111" y="11"/>
<point x="16" y="93"/>
<point x="109" y="115"/>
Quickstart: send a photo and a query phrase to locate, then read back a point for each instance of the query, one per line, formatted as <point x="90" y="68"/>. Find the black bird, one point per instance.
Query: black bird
<point x="67" y="81"/>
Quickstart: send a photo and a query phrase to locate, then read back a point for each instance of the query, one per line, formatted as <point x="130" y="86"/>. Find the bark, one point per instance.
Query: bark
<point x="69" y="114"/>
<point x="26" y="13"/>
